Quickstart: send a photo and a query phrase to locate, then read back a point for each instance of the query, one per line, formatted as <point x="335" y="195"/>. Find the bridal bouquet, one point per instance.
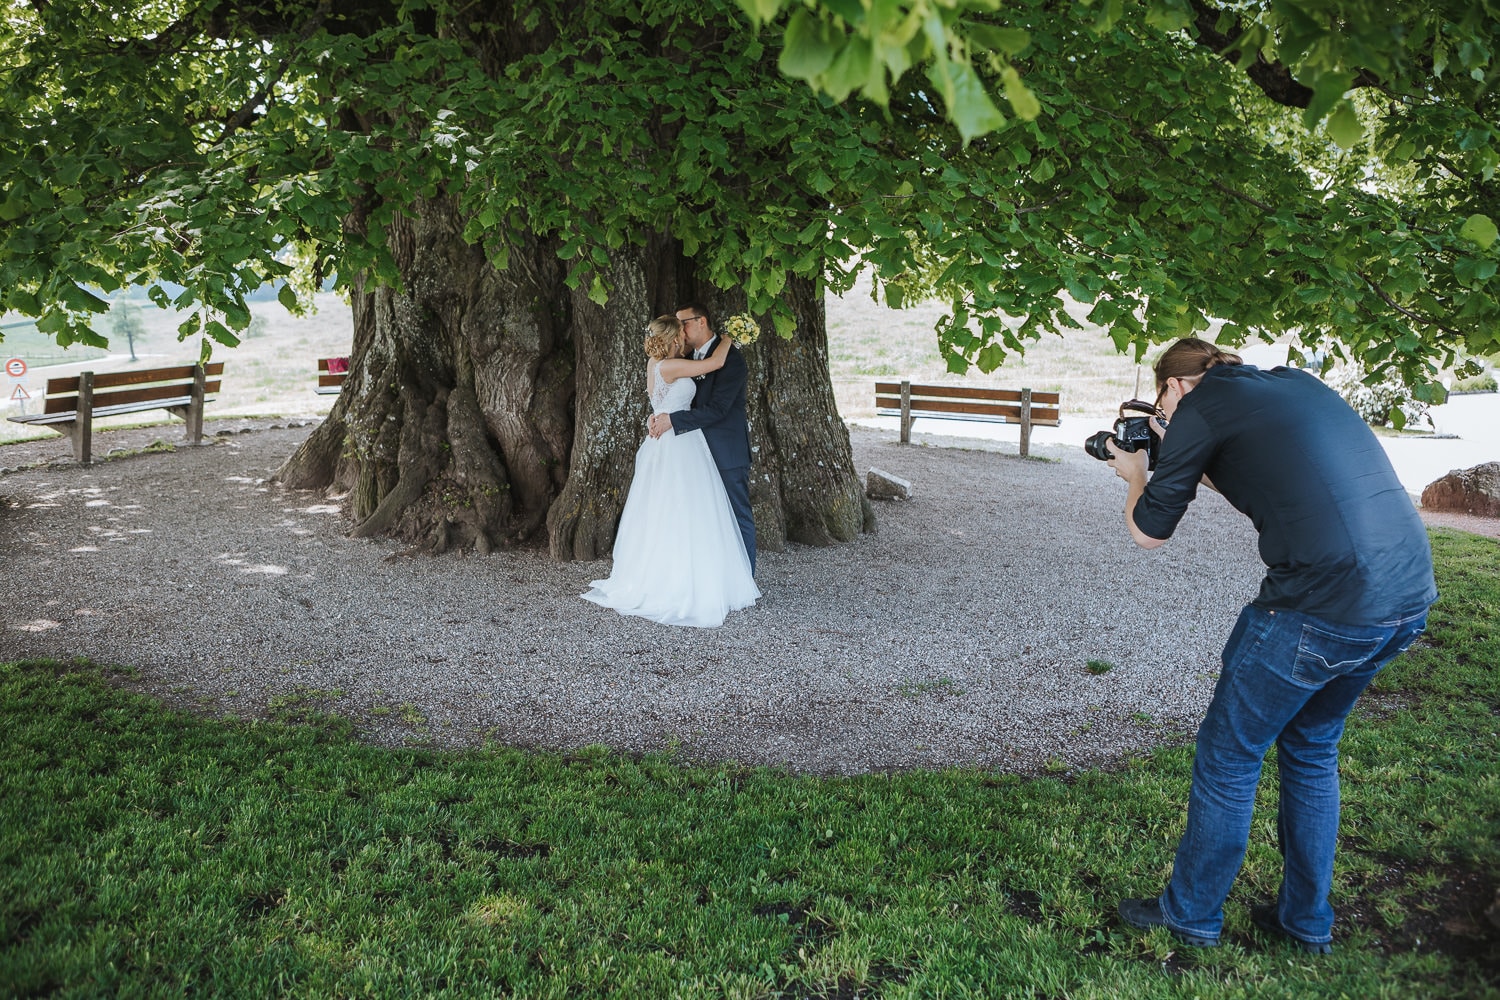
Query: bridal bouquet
<point x="742" y="328"/>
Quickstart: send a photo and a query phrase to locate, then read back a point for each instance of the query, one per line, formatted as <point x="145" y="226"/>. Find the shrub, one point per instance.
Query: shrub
<point x="1483" y="382"/>
<point x="1375" y="403"/>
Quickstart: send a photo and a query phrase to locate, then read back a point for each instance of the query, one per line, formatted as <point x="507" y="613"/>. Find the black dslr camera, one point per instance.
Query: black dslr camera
<point x="1132" y="432"/>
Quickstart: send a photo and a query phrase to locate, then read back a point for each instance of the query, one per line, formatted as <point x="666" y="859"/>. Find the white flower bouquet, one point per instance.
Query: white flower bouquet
<point x="742" y="329"/>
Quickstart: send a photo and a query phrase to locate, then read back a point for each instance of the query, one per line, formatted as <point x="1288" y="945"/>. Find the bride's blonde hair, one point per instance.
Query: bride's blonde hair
<point x="661" y="333"/>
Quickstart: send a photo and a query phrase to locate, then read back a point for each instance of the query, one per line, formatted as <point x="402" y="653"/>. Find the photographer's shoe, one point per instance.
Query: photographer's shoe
<point x="1263" y="915"/>
<point x="1146" y="914"/>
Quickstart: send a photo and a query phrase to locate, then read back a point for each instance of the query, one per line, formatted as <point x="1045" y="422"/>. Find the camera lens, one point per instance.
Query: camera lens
<point x="1095" y="446"/>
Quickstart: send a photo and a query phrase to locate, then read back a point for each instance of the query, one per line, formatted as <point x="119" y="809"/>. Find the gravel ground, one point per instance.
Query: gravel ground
<point x="965" y="631"/>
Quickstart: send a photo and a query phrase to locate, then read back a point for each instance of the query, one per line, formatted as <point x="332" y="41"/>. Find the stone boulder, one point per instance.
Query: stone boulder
<point x="1466" y="491"/>
<point x="880" y="485"/>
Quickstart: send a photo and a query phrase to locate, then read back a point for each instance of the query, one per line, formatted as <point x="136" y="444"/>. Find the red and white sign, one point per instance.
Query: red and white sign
<point x="15" y="368"/>
<point x="20" y="395"/>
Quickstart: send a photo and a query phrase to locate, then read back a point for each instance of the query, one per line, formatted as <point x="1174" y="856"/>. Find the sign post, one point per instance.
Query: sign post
<point x="15" y="370"/>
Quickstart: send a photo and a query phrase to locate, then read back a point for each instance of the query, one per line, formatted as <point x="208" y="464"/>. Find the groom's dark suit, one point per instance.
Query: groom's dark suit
<point x="719" y="411"/>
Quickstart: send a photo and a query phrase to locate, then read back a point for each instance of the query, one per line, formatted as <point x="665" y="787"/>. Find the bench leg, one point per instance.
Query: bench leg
<point x="195" y="408"/>
<point x="1025" y="422"/>
<point x="906" y="413"/>
<point x="83" y="425"/>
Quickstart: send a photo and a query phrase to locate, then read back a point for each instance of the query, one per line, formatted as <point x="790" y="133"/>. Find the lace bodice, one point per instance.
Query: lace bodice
<point x="669" y="397"/>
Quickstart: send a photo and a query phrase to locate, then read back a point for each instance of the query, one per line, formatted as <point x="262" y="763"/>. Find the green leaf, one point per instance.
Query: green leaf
<point x="970" y="108"/>
<point x="1007" y="40"/>
<point x="24" y="302"/>
<point x="1344" y="127"/>
<point x="1471" y="270"/>
<point x="287" y="297"/>
<point x="1110" y="11"/>
<point x="237" y="315"/>
<point x="81" y="299"/>
<point x="1481" y="229"/>
<point x="851" y="70"/>
<point x="808" y="48"/>
<point x="218" y="331"/>
<point x="597" y="293"/>
<point x="1169" y="15"/>
<point x="1398" y="418"/>
<point x="52" y="321"/>
<point x="1328" y="89"/>
<point x="760" y="11"/>
<point x="1022" y="101"/>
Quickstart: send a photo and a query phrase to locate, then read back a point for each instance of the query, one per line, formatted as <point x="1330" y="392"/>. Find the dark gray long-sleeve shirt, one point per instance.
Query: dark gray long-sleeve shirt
<point x="1339" y="535"/>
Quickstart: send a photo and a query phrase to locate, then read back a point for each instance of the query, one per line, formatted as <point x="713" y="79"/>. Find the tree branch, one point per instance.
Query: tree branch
<point x="1409" y="314"/>
<point x="1273" y="78"/>
<point x="247" y="113"/>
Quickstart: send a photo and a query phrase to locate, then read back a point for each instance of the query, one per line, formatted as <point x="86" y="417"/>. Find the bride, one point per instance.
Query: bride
<point x="679" y="555"/>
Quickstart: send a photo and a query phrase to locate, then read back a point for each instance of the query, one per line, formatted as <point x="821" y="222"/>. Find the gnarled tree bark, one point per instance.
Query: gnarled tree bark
<point x="482" y="405"/>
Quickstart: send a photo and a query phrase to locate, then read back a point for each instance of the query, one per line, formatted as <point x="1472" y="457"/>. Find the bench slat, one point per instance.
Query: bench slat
<point x="104" y="411"/>
<point x="121" y="397"/>
<point x="108" y="380"/>
<point x="891" y="405"/>
<point x="966" y="392"/>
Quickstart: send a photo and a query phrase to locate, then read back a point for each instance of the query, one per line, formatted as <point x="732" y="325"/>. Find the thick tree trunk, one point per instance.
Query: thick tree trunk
<point x="484" y="405"/>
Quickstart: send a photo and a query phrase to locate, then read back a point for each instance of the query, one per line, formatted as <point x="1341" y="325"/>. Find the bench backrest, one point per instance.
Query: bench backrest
<point x="331" y="375"/>
<point x="120" y="388"/>
<point x="977" y="400"/>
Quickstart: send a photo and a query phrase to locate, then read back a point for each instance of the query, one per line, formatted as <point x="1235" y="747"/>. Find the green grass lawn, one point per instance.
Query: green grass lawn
<point x="148" y="852"/>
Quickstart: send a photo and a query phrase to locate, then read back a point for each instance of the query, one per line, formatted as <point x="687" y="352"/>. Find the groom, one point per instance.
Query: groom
<point x="719" y="411"/>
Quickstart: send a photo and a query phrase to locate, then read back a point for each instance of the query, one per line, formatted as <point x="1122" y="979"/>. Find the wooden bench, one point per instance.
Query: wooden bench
<point x="962" y="402"/>
<point x="331" y="372"/>
<point x="71" y="404"/>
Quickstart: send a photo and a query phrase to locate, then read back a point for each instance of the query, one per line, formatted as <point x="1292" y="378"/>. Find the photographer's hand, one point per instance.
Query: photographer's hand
<point x="1131" y="466"/>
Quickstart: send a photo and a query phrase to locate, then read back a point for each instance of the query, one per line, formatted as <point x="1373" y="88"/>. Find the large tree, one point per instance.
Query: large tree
<point x="509" y="191"/>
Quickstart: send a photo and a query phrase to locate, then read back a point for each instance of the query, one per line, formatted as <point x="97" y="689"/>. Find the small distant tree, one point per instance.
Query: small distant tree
<point x="125" y="318"/>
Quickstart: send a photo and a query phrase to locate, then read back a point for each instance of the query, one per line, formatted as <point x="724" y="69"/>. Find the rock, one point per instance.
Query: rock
<point x="881" y="485"/>
<point x="1467" y="491"/>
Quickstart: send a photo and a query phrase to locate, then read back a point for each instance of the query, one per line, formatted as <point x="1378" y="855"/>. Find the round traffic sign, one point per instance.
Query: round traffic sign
<point x="15" y="368"/>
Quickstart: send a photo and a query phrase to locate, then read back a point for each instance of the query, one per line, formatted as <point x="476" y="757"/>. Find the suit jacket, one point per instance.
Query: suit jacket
<point x="719" y="411"/>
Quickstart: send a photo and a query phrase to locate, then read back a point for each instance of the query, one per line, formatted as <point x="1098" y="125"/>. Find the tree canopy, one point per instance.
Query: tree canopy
<point x="1399" y="151"/>
<point x="1310" y="167"/>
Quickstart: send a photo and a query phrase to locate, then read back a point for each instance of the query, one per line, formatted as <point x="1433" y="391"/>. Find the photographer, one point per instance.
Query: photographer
<point x="1347" y="587"/>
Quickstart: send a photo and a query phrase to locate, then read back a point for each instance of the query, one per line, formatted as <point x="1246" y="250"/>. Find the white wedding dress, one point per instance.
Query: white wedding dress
<point x="679" y="556"/>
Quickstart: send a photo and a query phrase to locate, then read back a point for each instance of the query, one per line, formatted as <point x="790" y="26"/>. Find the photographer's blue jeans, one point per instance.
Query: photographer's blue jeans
<point x="1288" y="679"/>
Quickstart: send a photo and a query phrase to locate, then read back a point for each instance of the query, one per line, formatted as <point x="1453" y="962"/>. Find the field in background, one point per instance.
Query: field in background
<point x="868" y="342"/>
<point x="271" y="372"/>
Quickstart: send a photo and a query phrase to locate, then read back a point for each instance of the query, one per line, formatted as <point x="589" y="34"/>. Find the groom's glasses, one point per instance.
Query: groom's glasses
<point x="690" y="319"/>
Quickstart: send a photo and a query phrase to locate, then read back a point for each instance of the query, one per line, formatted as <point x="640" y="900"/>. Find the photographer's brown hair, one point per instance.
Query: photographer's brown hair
<point x="1188" y="359"/>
